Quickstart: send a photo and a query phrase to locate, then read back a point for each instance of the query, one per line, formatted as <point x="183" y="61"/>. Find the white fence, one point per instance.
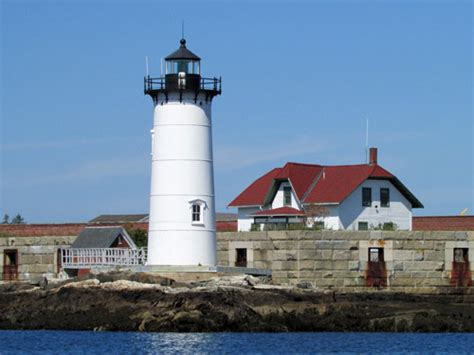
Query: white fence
<point x="83" y="258"/>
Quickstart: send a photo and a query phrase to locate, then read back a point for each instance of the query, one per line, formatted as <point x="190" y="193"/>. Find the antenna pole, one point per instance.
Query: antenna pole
<point x="182" y="29"/>
<point x="146" y="65"/>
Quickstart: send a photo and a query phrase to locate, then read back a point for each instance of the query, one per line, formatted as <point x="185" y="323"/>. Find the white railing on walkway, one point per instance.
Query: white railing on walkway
<point x="79" y="258"/>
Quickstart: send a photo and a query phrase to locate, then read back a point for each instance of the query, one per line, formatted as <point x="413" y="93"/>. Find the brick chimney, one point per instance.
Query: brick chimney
<point x="372" y="156"/>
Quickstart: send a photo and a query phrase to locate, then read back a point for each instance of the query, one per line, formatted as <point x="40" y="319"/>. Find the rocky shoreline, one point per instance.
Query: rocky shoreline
<point x="144" y="302"/>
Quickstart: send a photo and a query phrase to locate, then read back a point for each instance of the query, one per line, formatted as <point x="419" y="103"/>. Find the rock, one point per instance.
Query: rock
<point x="305" y="285"/>
<point x="81" y="284"/>
<point x="43" y="283"/>
<point x="227" y="304"/>
<point x="272" y="287"/>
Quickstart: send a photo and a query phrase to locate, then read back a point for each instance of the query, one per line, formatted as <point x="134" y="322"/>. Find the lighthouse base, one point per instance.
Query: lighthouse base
<point x="193" y="248"/>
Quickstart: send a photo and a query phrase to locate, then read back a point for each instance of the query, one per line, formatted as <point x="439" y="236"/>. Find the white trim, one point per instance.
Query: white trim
<point x="294" y="193"/>
<point x="202" y="206"/>
<point x="129" y="239"/>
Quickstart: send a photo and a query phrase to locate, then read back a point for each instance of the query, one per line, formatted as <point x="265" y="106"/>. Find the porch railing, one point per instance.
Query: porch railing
<point x="82" y="258"/>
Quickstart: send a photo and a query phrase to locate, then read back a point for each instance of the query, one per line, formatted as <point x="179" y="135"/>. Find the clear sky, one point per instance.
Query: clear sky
<point x="299" y="81"/>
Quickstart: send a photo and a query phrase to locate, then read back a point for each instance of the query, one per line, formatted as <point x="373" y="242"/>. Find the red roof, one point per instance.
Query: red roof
<point x="254" y="194"/>
<point x="282" y="211"/>
<point x="443" y="223"/>
<point x="337" y="182"/>
<point x="317" y="184"/>
<point x="68" y="229"/>
<point x="300" y="175"/>
<point x="226" y="226"/>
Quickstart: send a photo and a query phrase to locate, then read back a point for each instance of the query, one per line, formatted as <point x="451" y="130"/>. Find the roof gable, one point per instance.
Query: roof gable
<point x="255" y="193"/>
<point x="301" y="176"/>
<point x="101" y="237"/>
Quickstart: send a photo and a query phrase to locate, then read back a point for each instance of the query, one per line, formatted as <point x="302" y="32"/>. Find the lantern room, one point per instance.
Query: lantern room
<point x="183" y="69"/>
<point x="182" y="75"/>
<point x="183" y="61"/>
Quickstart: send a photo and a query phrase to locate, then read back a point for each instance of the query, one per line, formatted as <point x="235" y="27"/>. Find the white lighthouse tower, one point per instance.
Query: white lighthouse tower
<point x="182" y="226"/>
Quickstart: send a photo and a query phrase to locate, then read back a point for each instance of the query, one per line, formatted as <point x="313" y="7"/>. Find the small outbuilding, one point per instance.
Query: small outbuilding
<point x="96" y="247"/>
<point x="104" y="237"/>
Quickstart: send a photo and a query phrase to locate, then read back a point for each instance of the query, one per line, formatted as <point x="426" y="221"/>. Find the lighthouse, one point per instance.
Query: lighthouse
<point x="182" y="225"/>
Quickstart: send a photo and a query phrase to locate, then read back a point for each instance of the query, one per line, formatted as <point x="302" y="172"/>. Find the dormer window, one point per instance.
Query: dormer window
<point x="287" y="196"/>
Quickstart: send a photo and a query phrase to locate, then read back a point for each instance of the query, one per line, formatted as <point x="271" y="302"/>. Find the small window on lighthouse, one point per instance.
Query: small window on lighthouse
<point x="197" y="213"/>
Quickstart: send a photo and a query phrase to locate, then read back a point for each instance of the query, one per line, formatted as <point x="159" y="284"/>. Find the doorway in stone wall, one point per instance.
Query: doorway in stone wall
<point x="461" y="275"/>
<point x="10" y="265"/>
<point x="241" y="257"/>
<point x="376" y="274"/>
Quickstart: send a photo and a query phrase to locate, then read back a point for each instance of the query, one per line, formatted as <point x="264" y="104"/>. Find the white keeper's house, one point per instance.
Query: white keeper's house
<point x="351" y="197"/>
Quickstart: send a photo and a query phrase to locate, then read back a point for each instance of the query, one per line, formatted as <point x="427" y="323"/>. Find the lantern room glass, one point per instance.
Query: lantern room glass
<point x="183" y="65"/>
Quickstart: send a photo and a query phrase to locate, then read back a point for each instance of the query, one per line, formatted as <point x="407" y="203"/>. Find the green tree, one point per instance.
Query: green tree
<point x="139" y="236"/>
<point x="18" y="219"/>
<point x="6" y="219"/>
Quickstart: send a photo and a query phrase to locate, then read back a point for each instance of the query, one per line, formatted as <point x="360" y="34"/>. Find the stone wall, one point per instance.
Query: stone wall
<point x="340" y="259"/>
<point x="37" y="256"/>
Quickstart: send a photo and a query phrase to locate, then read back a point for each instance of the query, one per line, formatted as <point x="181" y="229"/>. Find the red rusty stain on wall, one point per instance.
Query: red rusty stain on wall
<point x="461" y="275"/>
<point x="376" y="273"/>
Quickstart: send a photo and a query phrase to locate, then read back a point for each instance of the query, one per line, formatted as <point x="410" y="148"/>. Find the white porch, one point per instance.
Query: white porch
<point x="86" y="258"/>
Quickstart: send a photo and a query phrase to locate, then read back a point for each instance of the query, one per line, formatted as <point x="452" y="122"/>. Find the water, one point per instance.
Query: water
<point x="60" y="342"/>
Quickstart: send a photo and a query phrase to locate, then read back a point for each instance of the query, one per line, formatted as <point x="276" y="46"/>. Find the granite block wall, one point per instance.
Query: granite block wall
<point x="37" y="256"/>
<point x="340" y="259"/>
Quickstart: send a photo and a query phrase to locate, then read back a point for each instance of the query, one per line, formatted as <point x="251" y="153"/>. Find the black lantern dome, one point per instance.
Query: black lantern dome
<point x="182" y="73"/>
<point x="182" y="53"/>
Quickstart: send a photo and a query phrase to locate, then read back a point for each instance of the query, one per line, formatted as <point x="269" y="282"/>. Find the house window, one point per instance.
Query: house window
<point x="375" y="255"/>
<point x="461" y="255"/>
<point x="197" y="213"/>
<point x="384" y="197"/>
<point x="363" y="226"/>
<point x="287" y="196"/>
<point x="366" y="196"/>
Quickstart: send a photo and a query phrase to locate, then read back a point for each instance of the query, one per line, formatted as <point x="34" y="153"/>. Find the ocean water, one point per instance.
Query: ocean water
<point x="78" y="342"/>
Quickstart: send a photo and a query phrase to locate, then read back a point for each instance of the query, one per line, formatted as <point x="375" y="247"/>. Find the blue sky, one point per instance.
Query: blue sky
<point x="299" y="81"/>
